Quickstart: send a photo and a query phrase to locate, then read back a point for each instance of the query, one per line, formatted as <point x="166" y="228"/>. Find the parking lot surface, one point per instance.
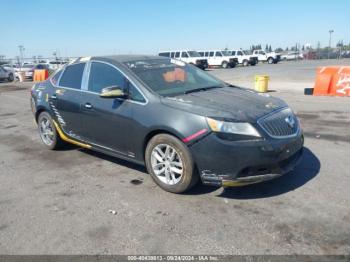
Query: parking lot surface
<point x="61" y="202"/>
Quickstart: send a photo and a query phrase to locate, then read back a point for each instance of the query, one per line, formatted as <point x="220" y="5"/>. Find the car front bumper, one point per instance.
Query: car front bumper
<point x="237" y="163"/>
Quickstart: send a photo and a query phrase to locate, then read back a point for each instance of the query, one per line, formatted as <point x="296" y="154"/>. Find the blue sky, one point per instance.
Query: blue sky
<point x="96" y="27"/>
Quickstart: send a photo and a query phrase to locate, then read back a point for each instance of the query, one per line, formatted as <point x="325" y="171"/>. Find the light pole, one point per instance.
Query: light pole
<point x="21" y="50"/>
<point x="330" y="42"/>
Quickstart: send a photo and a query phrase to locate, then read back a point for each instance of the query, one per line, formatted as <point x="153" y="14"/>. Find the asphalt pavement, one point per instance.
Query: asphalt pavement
<point x="62" y="202"/>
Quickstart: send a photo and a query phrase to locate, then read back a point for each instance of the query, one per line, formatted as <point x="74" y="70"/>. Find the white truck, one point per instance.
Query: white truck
<point x="187" y="56"/>
<point x="269" y="57"/>
<point x="218" y="58"/>
<point x="243" y="58"/>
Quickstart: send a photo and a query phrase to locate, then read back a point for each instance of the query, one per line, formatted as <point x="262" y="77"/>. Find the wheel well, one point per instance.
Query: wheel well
<point x="38" y="112"/>
<point x="152" y="134"/>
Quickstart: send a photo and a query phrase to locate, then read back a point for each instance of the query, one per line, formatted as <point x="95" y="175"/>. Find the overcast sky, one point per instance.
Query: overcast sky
<point x="96" y="27"/>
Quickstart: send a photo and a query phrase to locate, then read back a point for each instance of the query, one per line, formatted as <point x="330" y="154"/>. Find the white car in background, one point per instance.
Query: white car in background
<point x="6" y="74"/>
<point x="187" y="56"/>
<point x="243" y="58"/>
<point x="56" y="64"/>
<point x="27" y="70"/>
<point x="292" y="56"/>
<point x="269" y="57"/>
<point x="218" y="58"/>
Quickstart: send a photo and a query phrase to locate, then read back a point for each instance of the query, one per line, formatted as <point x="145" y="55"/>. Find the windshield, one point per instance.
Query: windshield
<point x="226" y="53"/>
<point x="169" y="77"/>
<point x="193" y="53"/>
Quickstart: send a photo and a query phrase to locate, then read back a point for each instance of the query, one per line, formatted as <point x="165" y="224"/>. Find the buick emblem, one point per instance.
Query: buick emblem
<point x="290" y="121"/>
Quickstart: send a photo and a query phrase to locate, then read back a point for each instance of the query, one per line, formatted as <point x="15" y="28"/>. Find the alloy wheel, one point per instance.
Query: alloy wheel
<point x="166" y="164"/>
<point x="46" y="131"/>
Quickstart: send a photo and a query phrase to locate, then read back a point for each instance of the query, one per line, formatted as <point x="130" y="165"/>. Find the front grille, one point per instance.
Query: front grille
<point x="201" y="61"/>
<point x="280" y="124"/>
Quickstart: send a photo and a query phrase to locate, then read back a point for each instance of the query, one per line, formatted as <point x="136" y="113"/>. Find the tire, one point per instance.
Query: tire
<point x="270" y="60"/>
<point x="168" y="180"/>
<point x="10" y="78"/>
<point x="233" y="65"/>
<point x="224" y="64"/>
<point x="52" y="140"/>
<point x="245" y="63"/>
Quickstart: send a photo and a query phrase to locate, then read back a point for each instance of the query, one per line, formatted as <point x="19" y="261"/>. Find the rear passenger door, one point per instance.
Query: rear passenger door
<point x="218" y="58"/>
<point x="66" y="100"/>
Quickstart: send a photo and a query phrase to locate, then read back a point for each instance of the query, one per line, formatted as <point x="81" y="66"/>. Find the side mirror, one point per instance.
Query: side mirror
<point x="112" y="92"/>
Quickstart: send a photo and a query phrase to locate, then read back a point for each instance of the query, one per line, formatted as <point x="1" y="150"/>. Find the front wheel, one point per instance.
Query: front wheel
<point x="48" y="132"/>
<point x="170" y="164"/>
<point x="270" y="60"/>
<point x="245" y="63"/>
<point x="224" y="64"/>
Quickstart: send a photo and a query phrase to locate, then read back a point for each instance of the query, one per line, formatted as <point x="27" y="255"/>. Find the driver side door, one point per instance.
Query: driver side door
<point x="106" y="121"/>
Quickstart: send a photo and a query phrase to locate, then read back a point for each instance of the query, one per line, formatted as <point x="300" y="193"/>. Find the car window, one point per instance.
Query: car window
<point x="233" y="53"/>
<point x="169" y="77"/>
<point x="201" y="53"/>
<point x="184" y="55"/>
<point x="103" y="75"/>
<point x="218" y="54"/>
<point x="135" y="95"/>
<point x="239" y="53"/>
<point x="177" y="54"/>
<point x="72" y="76"/>
<point x="211" y="54"/>
<point x="172" y="54"/>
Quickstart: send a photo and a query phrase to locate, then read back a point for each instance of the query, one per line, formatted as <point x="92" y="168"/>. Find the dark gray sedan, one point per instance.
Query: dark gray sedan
<point x="179" y="121"/>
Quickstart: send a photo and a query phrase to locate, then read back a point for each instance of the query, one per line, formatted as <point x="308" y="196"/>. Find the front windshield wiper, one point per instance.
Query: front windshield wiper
<point x="201" y="89"/>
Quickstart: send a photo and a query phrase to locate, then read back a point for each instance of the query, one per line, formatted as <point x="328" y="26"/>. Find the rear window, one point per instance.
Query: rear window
<point x="72" y="76"/>
<point x="56" y="77"/>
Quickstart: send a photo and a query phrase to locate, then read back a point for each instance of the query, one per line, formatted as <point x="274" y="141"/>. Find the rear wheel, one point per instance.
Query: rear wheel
<point x="48" y="132"/>
<point x="170" y="164"/>
<point x="11" y="78"/>
<point x="245" y="63"/>
<point x="270" y="60"/>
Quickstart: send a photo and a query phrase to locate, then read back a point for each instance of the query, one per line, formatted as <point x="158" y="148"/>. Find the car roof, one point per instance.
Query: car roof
<point x="117" y="58"/>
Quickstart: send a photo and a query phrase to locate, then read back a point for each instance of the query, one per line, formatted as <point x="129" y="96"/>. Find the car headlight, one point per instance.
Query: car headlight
<point x="232" y="127"/>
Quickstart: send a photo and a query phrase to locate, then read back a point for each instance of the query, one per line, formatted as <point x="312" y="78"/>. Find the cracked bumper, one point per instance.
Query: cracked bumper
<point x="239" y="163"/>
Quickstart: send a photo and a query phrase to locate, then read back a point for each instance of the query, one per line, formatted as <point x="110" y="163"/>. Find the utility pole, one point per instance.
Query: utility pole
<point x="330" y="42"/>
<point x="340" y="48"/>
<point x="21" y="50"/>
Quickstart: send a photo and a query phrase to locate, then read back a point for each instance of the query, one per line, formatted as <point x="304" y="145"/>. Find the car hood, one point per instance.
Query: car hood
<point x="237" y="104"/>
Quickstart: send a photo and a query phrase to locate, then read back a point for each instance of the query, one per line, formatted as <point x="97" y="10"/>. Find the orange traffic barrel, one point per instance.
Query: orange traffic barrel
<point x="40" y="75"/>
<point x="332" y="81"/>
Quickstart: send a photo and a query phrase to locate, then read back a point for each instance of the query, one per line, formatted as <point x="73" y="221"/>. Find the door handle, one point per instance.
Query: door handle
<point x="54" y="96"/>
<point x="88" y="105"/>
